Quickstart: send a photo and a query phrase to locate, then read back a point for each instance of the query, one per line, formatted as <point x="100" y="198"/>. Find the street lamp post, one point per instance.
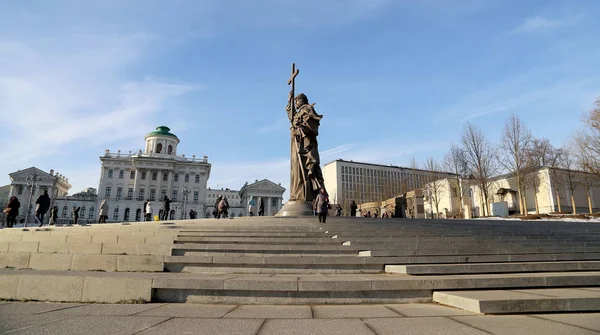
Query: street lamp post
<point x="32" y="180"/>
<point x="184" y="192"/>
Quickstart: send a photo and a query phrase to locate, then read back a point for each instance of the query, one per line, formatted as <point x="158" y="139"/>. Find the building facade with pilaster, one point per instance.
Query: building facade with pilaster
<point x="128" y="179"/>
<point x="270" y="193"/>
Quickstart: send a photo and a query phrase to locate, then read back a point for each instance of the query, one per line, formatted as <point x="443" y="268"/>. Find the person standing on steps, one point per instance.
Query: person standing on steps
<point x="76" y="214"/>
<point x="149" y="211"/>
<point x="103" y="214"/>
<point x="166" y="208"/>
<point x="144" y="210"/>
<point x="53" y="215"/>
<point x="322" y="206"/>
<point x="261" y="208"/>
<point x="216" y="210"/>
<point x="13" y="210"/>
<point x="353" y="208"/>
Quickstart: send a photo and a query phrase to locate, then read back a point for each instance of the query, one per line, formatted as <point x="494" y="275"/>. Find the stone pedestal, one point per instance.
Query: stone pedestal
<point x="296" y="209"/>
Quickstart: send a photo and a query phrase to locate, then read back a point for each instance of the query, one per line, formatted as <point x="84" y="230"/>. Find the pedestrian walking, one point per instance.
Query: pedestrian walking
<point x="42" y="204"/>
<point x="53" y="215"/>
<point x="12" y="211"/>
<point x="149" y="211"/>
<point x="103" y="214"/>
<point x="76" y="215"/>
<point x="353" y="208"/>
<point x="166" y="208"/>
<point x="322" y="206"/>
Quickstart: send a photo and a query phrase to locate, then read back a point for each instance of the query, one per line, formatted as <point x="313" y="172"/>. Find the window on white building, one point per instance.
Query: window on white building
<point x="91" y="215"/>
<point x="163" y="194"/>
<point x="196" y="195"/>
<point x="126" y="215"/>
<point x="82" y="212"/>
<point x="165" y="176"/>
<point x="143" y="175"/>
<point x="130" y="193"/>
<point x="116" y="214"/>
<point x="176" y="177"/>
<point x="142" y="194"/>
<point x="187" y="178"/>
<point x="170" y="149"/>
<point x="64" y="212"/>
<point x="119" y="192"/>
<point x="110" y="173"/>
<point x="121" y="174"/>
<point x="158" y="148"/>
<point x="197" y="178"/>
<point x="20" y="190"/>
<point x="174" y="195"/>
<point x="152" y="194"/>
<point x="154" y="175"/>
<point x="107" y="191"/>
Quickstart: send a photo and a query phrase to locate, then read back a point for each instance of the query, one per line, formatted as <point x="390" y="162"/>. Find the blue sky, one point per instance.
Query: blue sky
<point x="394" y="79"/>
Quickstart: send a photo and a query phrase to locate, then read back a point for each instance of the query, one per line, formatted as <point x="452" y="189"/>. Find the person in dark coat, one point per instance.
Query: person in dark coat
<point x="166" y="208"/>
<point x="223" y="208"/>
<point x="42" y="204"/>
<point x="261" y="208"/>
<point x="216" y="210"/>
<point x="192" y="214"/>
<point x="353" y="208"/>
<point x="11" y="216"/>
<point x="322" y="205"/>
<point x="76" y="214"/>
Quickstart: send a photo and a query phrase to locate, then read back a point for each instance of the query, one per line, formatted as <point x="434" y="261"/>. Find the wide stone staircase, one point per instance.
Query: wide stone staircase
<point x="481" y="266"/>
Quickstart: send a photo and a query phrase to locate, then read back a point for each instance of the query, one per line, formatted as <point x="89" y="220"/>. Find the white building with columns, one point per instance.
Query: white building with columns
<point x="28" y="184"/>
<point x="270" y="193"/>
<point x="128" y="179"/>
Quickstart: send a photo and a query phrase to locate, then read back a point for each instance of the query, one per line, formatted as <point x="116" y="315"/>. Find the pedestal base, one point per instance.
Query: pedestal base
<point x="296" y="209"/>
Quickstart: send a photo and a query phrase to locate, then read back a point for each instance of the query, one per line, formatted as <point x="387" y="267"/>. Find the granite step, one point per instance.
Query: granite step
<point x="515" y="267"/>
<point x="449" y="252"/>
<point x="256" y="240"/>
<point x="270" y="264"/>
<point x="581" y="299"/>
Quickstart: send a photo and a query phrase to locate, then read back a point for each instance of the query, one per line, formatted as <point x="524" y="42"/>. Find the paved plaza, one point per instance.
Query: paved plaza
<point x="114" y="319"/>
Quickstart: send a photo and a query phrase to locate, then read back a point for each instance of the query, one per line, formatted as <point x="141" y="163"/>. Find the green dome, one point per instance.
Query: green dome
<point x="161" y="131"/>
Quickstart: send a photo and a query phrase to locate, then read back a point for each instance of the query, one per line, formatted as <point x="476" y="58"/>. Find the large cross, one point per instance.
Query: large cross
<point x="291" y="81"/>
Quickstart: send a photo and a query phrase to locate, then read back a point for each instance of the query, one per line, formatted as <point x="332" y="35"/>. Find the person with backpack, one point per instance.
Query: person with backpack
<point x="223" y="207"/>
<point x="76" y="214"/>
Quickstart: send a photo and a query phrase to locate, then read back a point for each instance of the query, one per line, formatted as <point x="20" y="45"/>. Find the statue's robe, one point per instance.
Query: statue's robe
<point x="306" y="177"/>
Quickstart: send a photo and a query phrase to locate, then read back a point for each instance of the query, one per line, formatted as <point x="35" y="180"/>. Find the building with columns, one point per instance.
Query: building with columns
<point x="270" y="193"/>
<point x="128" y="179"/>
<point x="30" y="183"/>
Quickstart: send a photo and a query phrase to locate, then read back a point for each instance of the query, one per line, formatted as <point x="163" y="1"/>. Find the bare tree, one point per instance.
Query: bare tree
<point x="571" y="177"/>
<point x="435" y="185"/>
<point x="516" y="139"/>
<point x="455" y="162"/>
<point x="540" y="154"/>
<point x="480" y="159"/>
<point x="588" y="140"/>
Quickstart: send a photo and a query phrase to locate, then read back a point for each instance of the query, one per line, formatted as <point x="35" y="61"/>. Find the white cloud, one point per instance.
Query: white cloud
<point x="538" y="24"/>
<point x="71" y="91"/>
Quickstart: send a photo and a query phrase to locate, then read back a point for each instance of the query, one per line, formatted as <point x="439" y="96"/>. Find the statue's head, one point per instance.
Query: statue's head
<point x="300" y="100"/>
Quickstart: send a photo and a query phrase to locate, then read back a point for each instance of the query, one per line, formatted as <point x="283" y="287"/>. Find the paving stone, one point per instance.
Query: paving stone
<point x="269" y="312"/>
<point x="19" y="260"/>
<point x="315" y="327"/>
<point x="12" y="322"/>
<point x="50" y="288"/>
<point x="109" y="325"/>
<point x="587" y="320"/>
<point x="23" y="246"/>
<point x="510" y="324"/>
<point x="40" y="261"/>
<point x="54" y="247"/>
<point x="189" y="311"/>
<point x="94" y="263"/>
<point x="104" y="309"/>
<point x="116" y="289"/>
<point x="343" y="312"/>
<point x="427" y="310"/>
<point x="205" y="326"/>
<point x="423" y="325"/>
<point x="28" y="308"/>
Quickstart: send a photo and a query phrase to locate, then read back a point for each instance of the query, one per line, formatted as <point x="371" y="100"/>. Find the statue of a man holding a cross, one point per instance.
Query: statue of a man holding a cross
<point x="306" y="177"/>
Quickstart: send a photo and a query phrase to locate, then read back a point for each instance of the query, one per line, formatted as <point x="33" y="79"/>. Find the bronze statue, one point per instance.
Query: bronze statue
<point x="306" y="177"/>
